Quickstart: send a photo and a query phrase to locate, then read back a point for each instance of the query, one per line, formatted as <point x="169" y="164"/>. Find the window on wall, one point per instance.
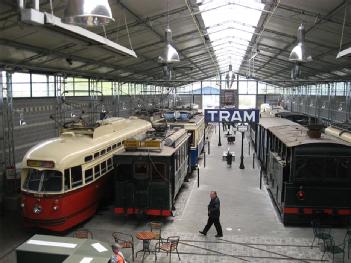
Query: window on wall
<point x="69" y="86"/>
<point x="247" y="101"/>
<point x="270" y="89"/>
<point x="51" y="86"/>
<point x="40" y="87"/>
<point x="107" y="88"/>
<point x="21" y="85"/>
<point x="340" y="89"/>
<point x="81" y="87"/>
<point x="247" y="87"/>
<point x="262" y="88"/>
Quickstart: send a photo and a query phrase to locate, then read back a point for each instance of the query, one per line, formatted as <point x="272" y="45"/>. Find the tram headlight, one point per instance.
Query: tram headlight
<point x="300" y="194"/>
<point x="55" y="205"/>
<point x="37" y="209"/>
<point x="23" y="202"/>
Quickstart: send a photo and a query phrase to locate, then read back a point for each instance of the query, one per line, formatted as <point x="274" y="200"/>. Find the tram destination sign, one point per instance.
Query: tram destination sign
<point x="232" y="115"/>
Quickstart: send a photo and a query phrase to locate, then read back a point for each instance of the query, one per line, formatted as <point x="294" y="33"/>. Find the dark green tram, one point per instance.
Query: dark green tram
<point x="150" y="173"/>
<point x="306" y="177"/>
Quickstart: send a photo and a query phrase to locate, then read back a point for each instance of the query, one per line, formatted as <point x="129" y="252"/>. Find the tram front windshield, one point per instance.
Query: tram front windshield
<point x="323" y="168"/>
<point x="43" y="181"/>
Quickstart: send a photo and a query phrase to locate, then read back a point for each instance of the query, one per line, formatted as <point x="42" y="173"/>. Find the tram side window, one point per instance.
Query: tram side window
<point x="109" y="163"/>
<point x="176" y="161"/>
<point x="103" y="167"/>
<point x="76" y="175"/>
<point x="179" y="158"/>
<point x="192" y="138"/>
<point x="67" y="180"/>
<point x="97" y="171"/>
<point x="184" y="151"/>
<point x="114" y="146"/>
<point x="96" y="155"/>
<point x="89" y="175"/>
<point x="158" y="172"/>
<point x="88" y="158"/>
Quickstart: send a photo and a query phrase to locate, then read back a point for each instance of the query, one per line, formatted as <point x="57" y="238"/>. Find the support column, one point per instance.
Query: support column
<point x="2" y="142"/>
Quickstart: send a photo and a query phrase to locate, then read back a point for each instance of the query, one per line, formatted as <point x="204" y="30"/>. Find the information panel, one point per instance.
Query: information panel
<point x="232" y="115"/>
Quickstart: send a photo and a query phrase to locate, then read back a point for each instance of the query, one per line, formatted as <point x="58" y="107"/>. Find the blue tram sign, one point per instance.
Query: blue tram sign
<point x="232" y="115"/>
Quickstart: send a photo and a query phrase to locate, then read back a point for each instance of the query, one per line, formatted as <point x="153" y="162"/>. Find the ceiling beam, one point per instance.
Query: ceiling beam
<point x="288" y="47"/>
<point x="153" y="30"/>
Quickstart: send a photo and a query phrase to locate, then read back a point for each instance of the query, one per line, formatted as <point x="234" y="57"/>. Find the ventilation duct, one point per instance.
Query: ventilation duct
<point x="169" y="54"/>
<point x="88" y="12"/>
<point x="300" y="53"/>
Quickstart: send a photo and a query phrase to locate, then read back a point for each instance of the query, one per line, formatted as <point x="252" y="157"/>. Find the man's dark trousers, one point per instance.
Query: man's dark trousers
<point x="213" y="220"/>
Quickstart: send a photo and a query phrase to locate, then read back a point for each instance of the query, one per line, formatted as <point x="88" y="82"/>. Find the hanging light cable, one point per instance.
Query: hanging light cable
<point x="300" y="53"/>
<point x="169" y="54"/>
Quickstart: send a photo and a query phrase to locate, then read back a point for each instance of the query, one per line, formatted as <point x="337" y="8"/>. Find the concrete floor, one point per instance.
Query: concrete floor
<point x="252" y="229"/>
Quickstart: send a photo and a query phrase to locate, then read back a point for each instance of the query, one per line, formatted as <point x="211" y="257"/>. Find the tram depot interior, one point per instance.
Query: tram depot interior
<point x="119" y="118"/>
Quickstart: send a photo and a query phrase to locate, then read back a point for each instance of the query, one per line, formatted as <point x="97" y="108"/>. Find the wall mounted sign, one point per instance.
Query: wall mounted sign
<point x="232" y="115"/>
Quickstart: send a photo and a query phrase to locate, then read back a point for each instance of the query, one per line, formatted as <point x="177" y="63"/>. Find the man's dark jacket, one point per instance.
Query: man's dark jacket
<point x="214" y="208"/>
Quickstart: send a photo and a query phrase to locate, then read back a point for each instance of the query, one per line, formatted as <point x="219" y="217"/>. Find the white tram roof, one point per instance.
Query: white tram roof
<point x="191" y="124"/>
<point x="293" y="134"/>
<point x="274" y="121"/>
<point x="71" y="148"/>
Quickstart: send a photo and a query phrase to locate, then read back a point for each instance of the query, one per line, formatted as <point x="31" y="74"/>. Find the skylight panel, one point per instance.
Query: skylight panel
<point x="230" y="25"/>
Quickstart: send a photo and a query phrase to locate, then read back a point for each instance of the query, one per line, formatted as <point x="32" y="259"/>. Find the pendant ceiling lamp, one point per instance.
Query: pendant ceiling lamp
<point x="87" y="12"/>
<point x="300" y="53"/>
<point x="169" y="54"/>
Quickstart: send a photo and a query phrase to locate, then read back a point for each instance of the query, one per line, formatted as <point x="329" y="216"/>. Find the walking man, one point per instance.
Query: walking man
<point x="213" y="215"/>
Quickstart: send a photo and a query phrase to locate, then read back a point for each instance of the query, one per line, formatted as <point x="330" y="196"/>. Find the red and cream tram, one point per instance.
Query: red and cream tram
<point x="64" y="178"/>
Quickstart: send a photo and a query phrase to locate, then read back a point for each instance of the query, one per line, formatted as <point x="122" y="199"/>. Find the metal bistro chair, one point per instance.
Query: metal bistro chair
<point x="124" y="240"/>
<point x="169" y="245"/>
<point x="329" y="246"/>
<point x="156" y="227"/>
<point x="83" y="234"/>
<point x="319" y="232"/>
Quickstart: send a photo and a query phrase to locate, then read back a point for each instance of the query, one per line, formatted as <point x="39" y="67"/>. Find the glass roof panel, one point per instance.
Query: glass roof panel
<point x="230" y="25"/>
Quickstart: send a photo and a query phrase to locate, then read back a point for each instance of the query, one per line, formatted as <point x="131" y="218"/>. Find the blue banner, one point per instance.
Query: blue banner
<point x="232" y="115"/>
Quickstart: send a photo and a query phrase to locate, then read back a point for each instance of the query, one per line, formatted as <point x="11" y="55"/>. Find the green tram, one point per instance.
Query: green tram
<point x="150" y="173"/>
<point x="307" y="176"/>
